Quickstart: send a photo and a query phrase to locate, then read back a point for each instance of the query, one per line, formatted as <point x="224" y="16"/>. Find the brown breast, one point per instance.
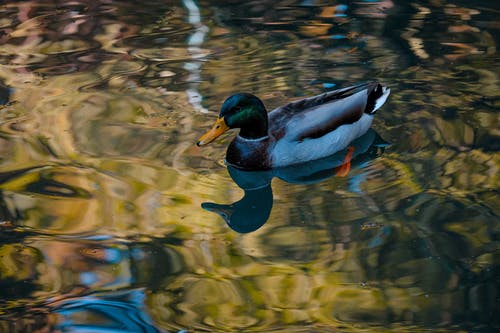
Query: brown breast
<point x="249" y="154"/>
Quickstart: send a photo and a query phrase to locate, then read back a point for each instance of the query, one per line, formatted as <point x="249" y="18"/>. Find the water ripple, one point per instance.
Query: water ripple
<point x="101" y="184"/>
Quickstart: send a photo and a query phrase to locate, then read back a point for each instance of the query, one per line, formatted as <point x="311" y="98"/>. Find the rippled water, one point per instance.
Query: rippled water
<point x="108" y="211"/>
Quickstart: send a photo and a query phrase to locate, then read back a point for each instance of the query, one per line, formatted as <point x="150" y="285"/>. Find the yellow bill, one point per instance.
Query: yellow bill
<point x="216" y="131"/>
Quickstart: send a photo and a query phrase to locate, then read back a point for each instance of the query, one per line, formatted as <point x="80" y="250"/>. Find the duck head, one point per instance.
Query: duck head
<point x="244" y="111"/>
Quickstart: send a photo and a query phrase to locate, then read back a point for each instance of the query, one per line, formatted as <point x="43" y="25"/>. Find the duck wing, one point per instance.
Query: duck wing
<point x="316" y="116"/>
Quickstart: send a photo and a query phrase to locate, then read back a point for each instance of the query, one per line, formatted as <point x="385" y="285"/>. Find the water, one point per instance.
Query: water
<point x="108" y="209"/>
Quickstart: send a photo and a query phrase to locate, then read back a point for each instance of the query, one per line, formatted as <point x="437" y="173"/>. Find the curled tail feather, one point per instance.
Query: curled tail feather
<point x="377" y="96"/>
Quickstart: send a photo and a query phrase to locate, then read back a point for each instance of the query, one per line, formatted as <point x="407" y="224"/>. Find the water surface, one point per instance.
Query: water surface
<point x="102" y="186"/>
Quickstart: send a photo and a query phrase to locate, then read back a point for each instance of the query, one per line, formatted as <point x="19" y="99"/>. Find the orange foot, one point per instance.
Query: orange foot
<point x="343" y="170"/>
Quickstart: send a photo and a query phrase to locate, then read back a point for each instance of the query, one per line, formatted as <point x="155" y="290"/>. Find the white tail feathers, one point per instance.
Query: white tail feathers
<point x="381" y="100"/>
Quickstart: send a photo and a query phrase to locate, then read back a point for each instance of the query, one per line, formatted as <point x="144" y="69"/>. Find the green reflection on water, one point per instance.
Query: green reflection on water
<point x="101" y="185"/>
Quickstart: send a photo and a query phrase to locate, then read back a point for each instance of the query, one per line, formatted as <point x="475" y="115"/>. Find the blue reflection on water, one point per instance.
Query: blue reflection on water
<point x="121" y="311"/>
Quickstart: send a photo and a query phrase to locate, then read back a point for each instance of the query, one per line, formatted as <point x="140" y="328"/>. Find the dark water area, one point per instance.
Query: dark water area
<point x="113" y="220"/>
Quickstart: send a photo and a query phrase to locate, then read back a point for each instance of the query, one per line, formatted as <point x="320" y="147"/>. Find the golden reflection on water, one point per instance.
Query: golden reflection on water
<point x="101" y="184"/>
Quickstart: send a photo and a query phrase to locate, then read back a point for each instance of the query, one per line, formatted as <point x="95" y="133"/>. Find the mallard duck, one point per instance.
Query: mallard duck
<point x="297" y="132"/>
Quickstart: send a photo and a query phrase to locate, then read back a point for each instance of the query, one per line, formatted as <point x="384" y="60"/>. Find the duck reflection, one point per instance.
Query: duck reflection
<point x="253" y="210"/>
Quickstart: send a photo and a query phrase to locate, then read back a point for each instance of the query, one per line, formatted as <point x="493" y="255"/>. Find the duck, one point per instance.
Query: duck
<point x="301" y="131"/>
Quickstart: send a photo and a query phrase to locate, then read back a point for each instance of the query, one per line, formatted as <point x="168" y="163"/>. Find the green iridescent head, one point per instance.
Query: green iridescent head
<point x="243" y="111"/>
<point x="247" y="112"/>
